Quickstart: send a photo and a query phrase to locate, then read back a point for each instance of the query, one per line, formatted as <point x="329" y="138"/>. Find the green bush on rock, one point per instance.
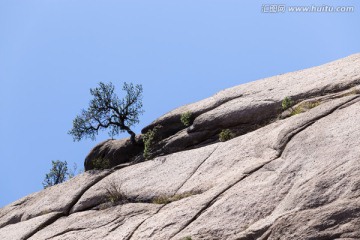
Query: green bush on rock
<point x="287" y="103"/>
<point x="225" y="135"/>
<point x="186" y="118"/>
<point x="149" y="139"/>
<point x="101" y="163"/>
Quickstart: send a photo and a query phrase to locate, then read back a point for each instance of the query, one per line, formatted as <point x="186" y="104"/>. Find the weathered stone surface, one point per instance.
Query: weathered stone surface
<point x="149" y="179"/>
<point x="58" y="198"/>
<point x="26" y="229"/>
<point x="257" y="102"/>
<point x="110" y="224"/>
<point x="296" y="177"/>
<point x="116" y="151"/>
<point x="250" y="179"/>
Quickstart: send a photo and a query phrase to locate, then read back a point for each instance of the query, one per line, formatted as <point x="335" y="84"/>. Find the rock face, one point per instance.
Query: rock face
<point x="249" y="106"/>
<point x="287" y="175"/>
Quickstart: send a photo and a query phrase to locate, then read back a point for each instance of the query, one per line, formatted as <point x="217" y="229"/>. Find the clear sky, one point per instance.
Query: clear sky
<point x="53" y="51"/>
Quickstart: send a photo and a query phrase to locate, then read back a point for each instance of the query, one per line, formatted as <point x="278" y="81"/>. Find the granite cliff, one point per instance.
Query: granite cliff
<point x="292" y="174"/>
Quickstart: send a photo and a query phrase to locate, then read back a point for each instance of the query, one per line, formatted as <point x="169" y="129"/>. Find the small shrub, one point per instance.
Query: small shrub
<point x="58" y="174"/>
<point x="149" y="139"/>
<point x="287" y="103"/>
<point x="303" y="107"/>
<point x="187" y="238"/>
<point x="225" y="135"/>
<point x="114" y="194"/>
<point x="313" y="104"/>
<point x="163" y="199"/>
<point x="101" y="163"/>
<point x="180" y="196"/>
<point x="297" y="110"/>
<point x="186" y="118"/>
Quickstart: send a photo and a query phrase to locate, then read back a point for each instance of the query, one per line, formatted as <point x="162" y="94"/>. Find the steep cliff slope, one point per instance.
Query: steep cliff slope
<point x="286" y="175"/>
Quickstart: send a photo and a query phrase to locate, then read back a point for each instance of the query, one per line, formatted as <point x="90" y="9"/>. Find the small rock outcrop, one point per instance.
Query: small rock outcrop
<point x="291" y="174"/>
<point x="114" y="151"/>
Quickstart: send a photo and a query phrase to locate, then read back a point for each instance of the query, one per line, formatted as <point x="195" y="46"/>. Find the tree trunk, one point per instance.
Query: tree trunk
<point x="132" y="137"/>
<point x="132" y="134"/>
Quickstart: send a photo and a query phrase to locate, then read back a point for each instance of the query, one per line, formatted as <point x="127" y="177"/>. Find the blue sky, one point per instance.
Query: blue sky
<point x="53" y="52"/>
